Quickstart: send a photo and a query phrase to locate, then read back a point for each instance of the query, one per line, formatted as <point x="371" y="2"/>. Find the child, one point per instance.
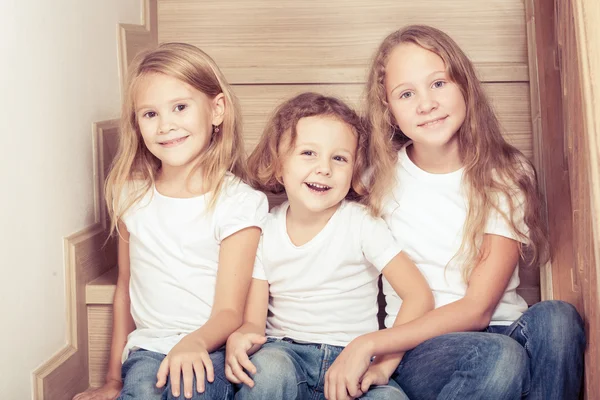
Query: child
<point x="188" y="229"/>
<point x="465" y="204"/>
<point x="321" y="254"/>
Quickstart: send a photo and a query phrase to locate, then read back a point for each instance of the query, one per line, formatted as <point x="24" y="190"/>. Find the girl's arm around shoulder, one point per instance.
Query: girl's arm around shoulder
<point x="250" y="336"/>
<point x="122" y="324"/>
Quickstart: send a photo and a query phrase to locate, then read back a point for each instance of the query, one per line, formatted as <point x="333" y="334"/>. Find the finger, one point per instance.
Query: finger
<point x="255" y="338"/>
<point x="163" y="371"/>
<point x="246" y="363"/>
<point x="208" y="365"/>
<point x="199" y="371"/>
<point x="367" y="381"/>
<point x="328" y="386"/>
<point x="241" y="375"/>
<point x="175" y="376"/>
<point x="230" y="376"/>
<point x="188" y="379"/>
<point x="341" y="393"/>
<point x="352" y="387"/>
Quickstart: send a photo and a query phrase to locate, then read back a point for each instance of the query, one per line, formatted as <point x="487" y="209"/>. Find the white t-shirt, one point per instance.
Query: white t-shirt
<point x="174" y="252"/>
<point x="426" y="213"/>
<point x="325" y="291"/>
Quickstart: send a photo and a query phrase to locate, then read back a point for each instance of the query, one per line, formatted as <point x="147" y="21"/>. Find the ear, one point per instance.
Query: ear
<point x="218" y="107"/>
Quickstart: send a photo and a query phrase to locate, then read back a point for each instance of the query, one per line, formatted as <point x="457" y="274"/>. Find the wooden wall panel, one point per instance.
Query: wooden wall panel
<point x="510" y="100"/>
<point x="575" y="45"/>
<point x="286" y="41"/>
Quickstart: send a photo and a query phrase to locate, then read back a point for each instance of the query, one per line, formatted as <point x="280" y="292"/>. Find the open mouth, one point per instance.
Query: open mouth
<point x="434" y="122"/>
<point x="317" y="187"/>
<point x="173" y="142"/>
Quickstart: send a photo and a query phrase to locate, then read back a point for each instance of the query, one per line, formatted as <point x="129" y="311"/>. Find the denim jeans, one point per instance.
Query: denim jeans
<point x="139" y="379"/>
<point x="288" y="370"/>
<point x="539" y="356"/>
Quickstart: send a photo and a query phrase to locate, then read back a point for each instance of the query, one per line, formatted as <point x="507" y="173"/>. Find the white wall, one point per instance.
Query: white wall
<point x="58" y="75"/>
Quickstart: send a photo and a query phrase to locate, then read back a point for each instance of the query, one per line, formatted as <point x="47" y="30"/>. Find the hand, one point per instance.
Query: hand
<point x="343" y="377"/>
<point x="239" y="346"/>
<point x="378" y="373"/>
<point x="110" y="391"/>
<point x="187" y="358"/>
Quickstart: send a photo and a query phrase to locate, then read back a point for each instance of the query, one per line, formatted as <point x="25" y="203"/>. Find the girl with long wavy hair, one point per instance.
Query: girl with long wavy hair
<point x="465" y="203"/>
<point x="188" y="229"/>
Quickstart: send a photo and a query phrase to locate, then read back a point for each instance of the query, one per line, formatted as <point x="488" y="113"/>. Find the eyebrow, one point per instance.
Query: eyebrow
<point x="177" y="100"/>
<point x="427" y="77"/>
<point x="313" y="144"/>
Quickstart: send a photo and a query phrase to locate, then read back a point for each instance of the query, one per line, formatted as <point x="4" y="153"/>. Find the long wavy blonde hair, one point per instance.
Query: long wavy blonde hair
<point x="134" y="162"/>
<point x="264" y="164"/>
<point x="492" y="167"/>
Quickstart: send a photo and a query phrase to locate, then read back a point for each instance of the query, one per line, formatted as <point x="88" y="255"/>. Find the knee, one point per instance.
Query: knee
<point x="560" y="321"/>
<point x="275" y="375"/>
<point x="505" y="365"/>
<point x="273" y="365"/>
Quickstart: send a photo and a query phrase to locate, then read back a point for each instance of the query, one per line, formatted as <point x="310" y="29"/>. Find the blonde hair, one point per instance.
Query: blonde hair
<point x="491" y="165"/>
<point x="134" y="162"/>
<point x="264" y="164"/>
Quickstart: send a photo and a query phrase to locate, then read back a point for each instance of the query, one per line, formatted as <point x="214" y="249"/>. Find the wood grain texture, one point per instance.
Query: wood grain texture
<point x="100" y="334"/>
<point x="510" y="100"/>
<point x="312" y="41"/>
<point x="579" y="39"/>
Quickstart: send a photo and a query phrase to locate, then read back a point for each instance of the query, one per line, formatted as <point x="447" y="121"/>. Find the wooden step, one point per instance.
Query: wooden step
<point x="102" y="289"/>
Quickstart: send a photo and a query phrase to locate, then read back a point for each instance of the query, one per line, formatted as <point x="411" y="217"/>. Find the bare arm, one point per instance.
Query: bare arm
<point x="343" y="376"/>
<point x="249" y="337"/>
<point x="123" y="323"/>
<point x="236" y="260"/>
<point x="255" y="315"/>
<point x="473" y="312"/>
<point x="417" y="299"/>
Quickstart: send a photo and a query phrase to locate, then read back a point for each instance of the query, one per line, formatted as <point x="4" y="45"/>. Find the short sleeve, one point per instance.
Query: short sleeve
<point x="241" y="210"/>
<point x="259" y="270"/>
<point x="377" y="242"/>
<point x="498" y="224"/>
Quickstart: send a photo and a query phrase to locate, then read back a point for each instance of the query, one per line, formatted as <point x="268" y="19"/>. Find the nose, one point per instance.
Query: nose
<point x="324" y="168"/>
<point x="166" y="124"/>
<point x="427" y="103"/>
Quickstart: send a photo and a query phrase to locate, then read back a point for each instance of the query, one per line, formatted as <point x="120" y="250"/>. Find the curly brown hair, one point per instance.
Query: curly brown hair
<point x="264" y="164"/>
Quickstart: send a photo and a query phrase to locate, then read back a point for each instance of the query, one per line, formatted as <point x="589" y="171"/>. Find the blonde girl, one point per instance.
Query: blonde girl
<point x="188" y="229"/>
<point x="320" y="256"/>
<point x="466" y="205"/>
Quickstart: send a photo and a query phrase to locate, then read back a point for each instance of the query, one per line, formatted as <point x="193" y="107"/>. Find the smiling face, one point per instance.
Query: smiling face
<point x="317" y="170"/>
<point x="428" y="107"/>
<point x="175" y="120"/>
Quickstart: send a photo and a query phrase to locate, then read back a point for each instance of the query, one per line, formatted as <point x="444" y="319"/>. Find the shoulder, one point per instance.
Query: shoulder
<point x="234" y="190"/>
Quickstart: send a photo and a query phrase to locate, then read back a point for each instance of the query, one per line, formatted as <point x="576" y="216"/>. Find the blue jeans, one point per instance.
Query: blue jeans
<point x="289" y="370"/>
<point x="539" y="356"/>
<point x="139" y="379"/>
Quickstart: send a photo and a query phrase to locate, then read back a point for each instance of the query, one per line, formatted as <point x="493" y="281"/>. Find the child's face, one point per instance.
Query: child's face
<point x="175" y="120"/>
<point x="428" y="107"/>
<point x="317" y="171"/>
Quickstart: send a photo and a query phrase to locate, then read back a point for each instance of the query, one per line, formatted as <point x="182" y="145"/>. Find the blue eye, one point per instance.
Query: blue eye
<point x="439" y="84"/>
<point x="340" y="158"/>
<point x="406" y="95"/>
<point x="149" y="114"/>
<point x="180" y="107"/>
<point x="308" y="153"/>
